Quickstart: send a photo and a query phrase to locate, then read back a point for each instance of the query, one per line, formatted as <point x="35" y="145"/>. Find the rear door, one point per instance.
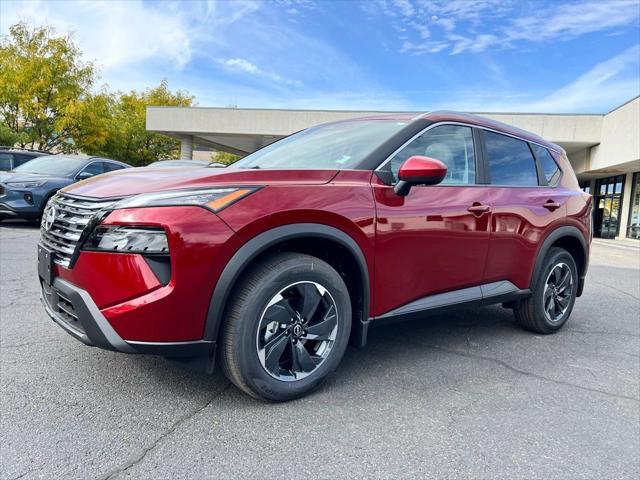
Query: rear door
<point x="526" y="204"/>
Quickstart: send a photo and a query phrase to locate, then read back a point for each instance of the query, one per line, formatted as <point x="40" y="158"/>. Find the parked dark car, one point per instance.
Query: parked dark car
<point x="12" y="157"/>
<point x="274" y="264"/>
<point x="26" y="189"/>
<point x="178" y="163"/>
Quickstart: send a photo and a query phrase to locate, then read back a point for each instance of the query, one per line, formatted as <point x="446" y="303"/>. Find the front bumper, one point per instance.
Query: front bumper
<point x="73" y="309"/>
<point x="13" y="203"/>
<point x="6" y="210"/>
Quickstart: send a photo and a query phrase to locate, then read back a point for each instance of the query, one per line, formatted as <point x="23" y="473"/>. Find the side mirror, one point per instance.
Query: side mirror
<point x="419" y="170"/>
<point x="84" y="175"/>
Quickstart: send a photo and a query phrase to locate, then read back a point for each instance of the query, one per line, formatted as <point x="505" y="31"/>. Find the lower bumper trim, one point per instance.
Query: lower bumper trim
<point x="99" y="333"/>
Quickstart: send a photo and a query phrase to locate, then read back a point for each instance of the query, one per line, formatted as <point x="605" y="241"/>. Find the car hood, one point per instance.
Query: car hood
<point x="29" y="177"/>
<point x="133" y="181"/>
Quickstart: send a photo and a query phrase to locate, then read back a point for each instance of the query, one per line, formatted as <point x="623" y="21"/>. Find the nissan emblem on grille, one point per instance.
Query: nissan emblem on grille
<point x="49" y="217"/>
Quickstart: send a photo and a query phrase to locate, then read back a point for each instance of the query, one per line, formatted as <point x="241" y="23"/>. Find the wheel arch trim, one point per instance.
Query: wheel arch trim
<point x="557" y="234"/>
<point x="259" y="244"/>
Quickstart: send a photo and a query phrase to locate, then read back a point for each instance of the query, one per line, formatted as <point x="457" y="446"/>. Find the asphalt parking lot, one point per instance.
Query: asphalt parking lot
<point x="468" y="395"/>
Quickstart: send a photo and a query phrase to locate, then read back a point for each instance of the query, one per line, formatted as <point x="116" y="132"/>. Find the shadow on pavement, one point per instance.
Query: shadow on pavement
<point x="20" y="224"/>
<point x="386" y="348"/>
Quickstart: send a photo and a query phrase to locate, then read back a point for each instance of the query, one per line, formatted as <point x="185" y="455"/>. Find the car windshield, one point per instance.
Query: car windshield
<point x="339" y="145"/>
<point x="51" y="165"/>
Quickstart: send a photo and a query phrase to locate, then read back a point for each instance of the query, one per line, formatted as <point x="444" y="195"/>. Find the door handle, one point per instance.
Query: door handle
<point x="551" y="205"/>
<point x="478" y="208"/>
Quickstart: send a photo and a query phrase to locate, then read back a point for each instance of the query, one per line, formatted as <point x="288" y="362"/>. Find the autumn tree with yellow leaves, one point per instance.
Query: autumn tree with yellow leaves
<point x="49" y="101"/>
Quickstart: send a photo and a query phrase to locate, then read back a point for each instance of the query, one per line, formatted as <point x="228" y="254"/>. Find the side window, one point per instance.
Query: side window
<point x="5" y="162"/>
<point x="111" y="167"/>
<point x="510" y="161"/>
<point x="548" y="164"/>
<point x="451" y="144"/>
<point x="95" y="168"/>
<point x="21" y="159"/>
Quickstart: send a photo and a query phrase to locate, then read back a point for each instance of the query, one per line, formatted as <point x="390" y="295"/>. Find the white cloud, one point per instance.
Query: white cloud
<point x="477" y="44"/>
<point x="242" y="65"/>
<point x="112" y="34"/>
<point x="463" y="23"/>
<point x="608" y="83"/>
<point x="117" y="34"/>
<point x="404" y="6"/>
<point x="574" y="19"/>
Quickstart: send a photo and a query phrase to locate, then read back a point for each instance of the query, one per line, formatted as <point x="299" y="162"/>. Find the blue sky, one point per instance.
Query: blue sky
<point x="472" y="55"/>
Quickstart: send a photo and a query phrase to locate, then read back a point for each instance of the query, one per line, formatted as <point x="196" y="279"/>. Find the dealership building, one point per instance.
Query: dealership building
<point x="604" y="149"/>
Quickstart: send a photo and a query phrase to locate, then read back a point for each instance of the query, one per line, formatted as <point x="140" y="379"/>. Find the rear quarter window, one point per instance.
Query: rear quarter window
<point x="511" y="161"/>
<point x="112" y="167"/>
<point x="548" y="164"/>
<point x="5" y="162"/>
<point x="19" y="159"/>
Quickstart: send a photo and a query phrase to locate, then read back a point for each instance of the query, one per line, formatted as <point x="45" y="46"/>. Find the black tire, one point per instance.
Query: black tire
<point x="249" y="315"/>
<point x="545" y="310"/>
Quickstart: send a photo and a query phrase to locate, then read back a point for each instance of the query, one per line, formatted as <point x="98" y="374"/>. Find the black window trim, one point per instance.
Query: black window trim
<point x="480" y="151"/>
<point x="542" y="176"/>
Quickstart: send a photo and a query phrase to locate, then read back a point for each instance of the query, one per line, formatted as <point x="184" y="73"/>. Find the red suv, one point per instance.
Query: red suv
<point x="275" y="264"/>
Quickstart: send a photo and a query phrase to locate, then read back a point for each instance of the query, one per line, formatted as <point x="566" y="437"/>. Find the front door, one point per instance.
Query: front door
<point x="435" y="239"/>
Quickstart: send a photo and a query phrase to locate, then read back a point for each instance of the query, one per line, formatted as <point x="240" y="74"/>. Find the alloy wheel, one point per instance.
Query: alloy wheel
<point x="297" y="331"/>
<point x="558" y="289"/>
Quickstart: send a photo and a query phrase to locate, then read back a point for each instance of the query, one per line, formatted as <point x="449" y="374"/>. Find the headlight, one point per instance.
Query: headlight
<point x="25" y="184"/>
<point x="214" y="199"/>
<point x="126" y="239"/>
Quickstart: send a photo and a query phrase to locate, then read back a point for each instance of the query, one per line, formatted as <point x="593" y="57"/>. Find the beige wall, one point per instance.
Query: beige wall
<point x="597" y="145"/>
<point x="620" y="137"/>
<point x="249" y="129"/>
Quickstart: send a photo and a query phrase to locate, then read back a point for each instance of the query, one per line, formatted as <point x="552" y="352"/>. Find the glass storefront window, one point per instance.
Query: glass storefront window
<point x="633" y="228"/>
<point x="608" y="204"/>
<point x="585" y="186"/>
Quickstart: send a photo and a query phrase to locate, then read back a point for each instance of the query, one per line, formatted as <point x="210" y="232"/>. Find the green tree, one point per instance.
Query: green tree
<point x="126" y="137"/>
<point x="46" y="100"/>
<point x="7" y="137"/>
<point x="225" y="157"/>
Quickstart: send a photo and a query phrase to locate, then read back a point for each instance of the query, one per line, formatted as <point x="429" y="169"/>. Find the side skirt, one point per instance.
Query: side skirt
<point x="486" y="294"/>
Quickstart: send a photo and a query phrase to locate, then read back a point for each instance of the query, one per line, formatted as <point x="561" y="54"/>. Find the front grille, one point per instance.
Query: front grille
<point x="70" y="216"/>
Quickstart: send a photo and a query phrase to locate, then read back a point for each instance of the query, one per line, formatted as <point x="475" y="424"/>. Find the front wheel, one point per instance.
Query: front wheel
<point x="287" y="327"/>
<point x="553" y="296"/>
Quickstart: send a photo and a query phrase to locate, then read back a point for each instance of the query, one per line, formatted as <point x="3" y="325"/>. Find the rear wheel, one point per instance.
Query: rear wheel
<point x="287" y="327"/>
<point x="553" y="296"/>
